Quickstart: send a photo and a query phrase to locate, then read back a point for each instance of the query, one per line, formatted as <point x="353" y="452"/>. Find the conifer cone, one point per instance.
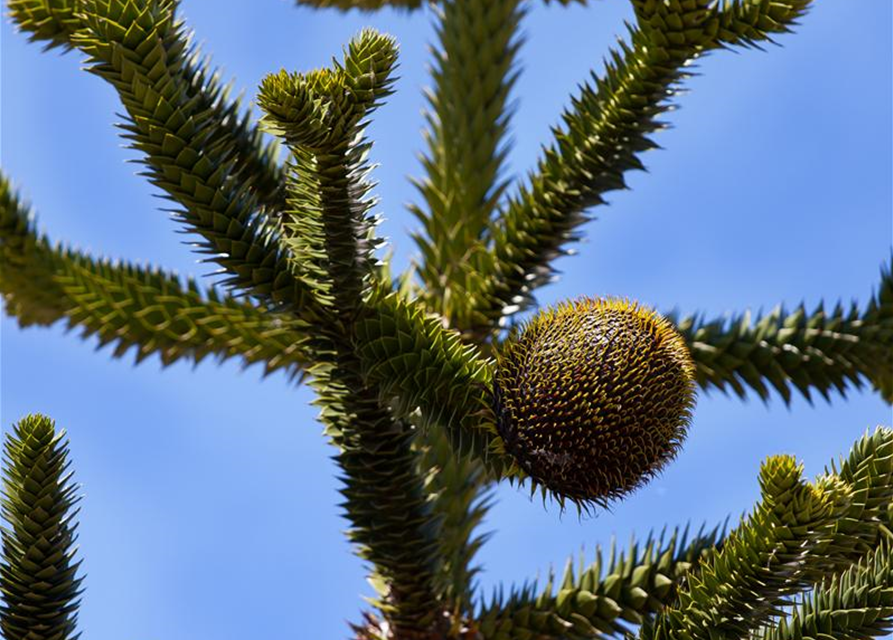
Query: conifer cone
<point x="594" y="397"/>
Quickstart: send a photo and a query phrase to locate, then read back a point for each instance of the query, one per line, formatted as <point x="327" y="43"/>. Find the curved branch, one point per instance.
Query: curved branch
<point x="57" y="21"/>
<point x="604" y="131"/>
<point x="131" y="306"/>
<point x="140" y="48"/>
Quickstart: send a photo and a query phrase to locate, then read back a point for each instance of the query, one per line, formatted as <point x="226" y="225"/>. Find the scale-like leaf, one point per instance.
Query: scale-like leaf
<point x="603" y="133"/>
<point x="855" y="604"/>
<point x="818" y="351"/>
<point x="603" y="599"/>
<point x="38" y="573"/>
<point x="135" y="308"/>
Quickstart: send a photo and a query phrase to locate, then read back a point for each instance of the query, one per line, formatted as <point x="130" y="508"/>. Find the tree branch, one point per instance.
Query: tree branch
<point x="809" y="351"/>
<point x="142" y="50"/>
<point x="322" y="115"/>
<point x="604" y="132"/>
<point x="603" y="599"/>
<point x="390" y="513"/>
<point x="231" y="129"/>
<point x="38" y="574"/>
<point x="132" y="306"/>
<point x="468" y="119"/>
<point x="460" y="499"/>
<point x="775" y="552"/>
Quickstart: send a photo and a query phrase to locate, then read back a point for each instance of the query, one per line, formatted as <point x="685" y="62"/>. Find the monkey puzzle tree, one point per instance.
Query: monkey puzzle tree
<point x="426" y="397"/>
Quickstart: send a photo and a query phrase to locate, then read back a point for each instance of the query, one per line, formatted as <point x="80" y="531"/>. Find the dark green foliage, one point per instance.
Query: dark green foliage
<point x="474" y="62"/>
<point x="600" y="600"/>
<point x="785" y="545"/>
<point x="140" y="48"/>
<point x="466" y="149"/>
<point x="822" y="350"/>
<point x="593" y="397"/>
<point x="426" y="401"/>
<point x="855" y="604"/>
<point x="38" y="574"/>
<point x="135" y="307"/>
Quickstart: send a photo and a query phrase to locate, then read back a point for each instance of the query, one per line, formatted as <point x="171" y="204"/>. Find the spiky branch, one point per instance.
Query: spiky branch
<point x="143" y="51"/>
<point x="321" y="116"/>
<point x="776" y="552"/>
<point x="603" y="599"/>
<point x="57" y="21"/>
<point x="132" y="307"/>
<point x="38" y="573"/>
<point x="817" y="351"/>
<point x="855" y="604"/>
<point x="473" y="74"/>
<point x="604" y="132"/>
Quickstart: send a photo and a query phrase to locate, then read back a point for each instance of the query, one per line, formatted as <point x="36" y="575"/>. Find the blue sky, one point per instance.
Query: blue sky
<point x="210" y="495"/>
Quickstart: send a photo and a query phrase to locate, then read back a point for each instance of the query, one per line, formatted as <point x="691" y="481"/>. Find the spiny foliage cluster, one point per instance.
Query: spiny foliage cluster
<point x="425" y="398"/>
<point x="37" y="577"/>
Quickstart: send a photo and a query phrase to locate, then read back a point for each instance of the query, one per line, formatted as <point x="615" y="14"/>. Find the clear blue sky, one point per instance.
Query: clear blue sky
<point x="210" y="508"/>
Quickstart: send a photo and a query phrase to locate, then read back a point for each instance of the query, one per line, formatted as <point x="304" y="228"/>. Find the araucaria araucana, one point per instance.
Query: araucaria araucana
<point x="428" y="391"/>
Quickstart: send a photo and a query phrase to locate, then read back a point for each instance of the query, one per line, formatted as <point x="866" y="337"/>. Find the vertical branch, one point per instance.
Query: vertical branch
<point x="468" y="120"/>
<point x="473" y="74"/>
<point x="461" y="501"/>
<point x="38" y="572"/>
<point x="329" y="229"/>
<point x="385" y="501"/>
